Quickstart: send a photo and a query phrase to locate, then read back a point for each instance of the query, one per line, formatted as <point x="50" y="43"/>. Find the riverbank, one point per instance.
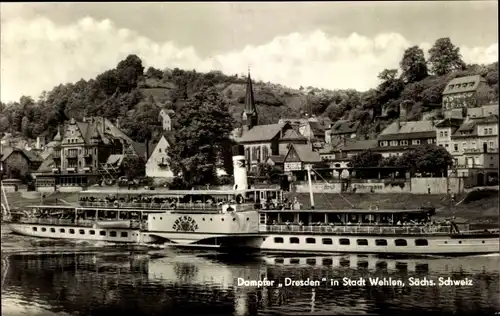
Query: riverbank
<point x="478" y="206"/>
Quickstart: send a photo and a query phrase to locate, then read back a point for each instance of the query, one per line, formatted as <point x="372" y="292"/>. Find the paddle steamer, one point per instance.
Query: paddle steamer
<point x="195" y="218"/>
<point x="376" y="231"/>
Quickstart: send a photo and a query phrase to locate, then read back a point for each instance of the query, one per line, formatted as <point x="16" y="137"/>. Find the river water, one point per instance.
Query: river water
<point x="55" y="278"/>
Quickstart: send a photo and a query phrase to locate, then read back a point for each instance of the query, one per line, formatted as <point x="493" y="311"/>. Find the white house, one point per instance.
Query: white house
<point x="157" y="166"/>
<point x="166" y="120"/>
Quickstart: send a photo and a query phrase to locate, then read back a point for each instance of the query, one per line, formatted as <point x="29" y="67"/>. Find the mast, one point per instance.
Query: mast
<point x="311" y="196"/>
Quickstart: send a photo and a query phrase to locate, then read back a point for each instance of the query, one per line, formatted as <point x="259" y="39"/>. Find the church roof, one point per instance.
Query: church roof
<point x="249" y="98"/>
<point x="261" y="133"/>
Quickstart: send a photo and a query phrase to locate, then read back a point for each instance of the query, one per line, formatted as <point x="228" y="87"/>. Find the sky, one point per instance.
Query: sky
<point x="332" y="45"/>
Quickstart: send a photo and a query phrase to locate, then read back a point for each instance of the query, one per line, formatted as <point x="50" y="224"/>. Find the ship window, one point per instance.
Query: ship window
<point x="154" y="217"/>
<point x="327" y="261"/>
<point x="52" y="230"/>
<point x="222" y="219"/>
<point x="310" y="240"/>
<point x="63" y="230"/>
<point x="203" y="219"/>
<point x="278" y="240"/>
<point x="248" y="219"/>
<point x="279" y="260"/>
<point x="311" y="261"/>
<point x="380" y="242"/>
<point x="35" y="229"/>
<point x="295" y="261"/>
<point x="72" y="231"/>
<point x="459" y="241"/>
<point x="344" y="241"/>
<point x="112" y="234"/>
<point x="124" y="234"/>
<point x="102" y="233"/>
<point x="327" y="241"/>
<point x="92" y="232"/>
<point x="294" y="240"/>
<point x="82" y="232"/>
<point x="161" y="218"/>
<point x="44" y="229"/>
<point x="234" y="219"/>
<point x="421" y="242"/>
<point x="400" y="242"/>
<point x="362" y="242"/>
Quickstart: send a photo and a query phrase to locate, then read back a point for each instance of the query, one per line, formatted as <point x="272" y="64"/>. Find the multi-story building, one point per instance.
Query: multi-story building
<point x="462" y="92"/>
<point x="342" y="129"/>
<point x="157" y="166"/>
<point x="82" y="151"/>
<point x="474" y="146"/>
<point x="400" y="136"/>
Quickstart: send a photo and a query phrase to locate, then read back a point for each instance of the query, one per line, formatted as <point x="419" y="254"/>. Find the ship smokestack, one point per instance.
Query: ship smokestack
<point x="239" y="168"/>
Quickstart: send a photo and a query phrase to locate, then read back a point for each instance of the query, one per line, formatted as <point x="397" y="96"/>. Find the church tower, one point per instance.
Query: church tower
<point x="249" y="116"/>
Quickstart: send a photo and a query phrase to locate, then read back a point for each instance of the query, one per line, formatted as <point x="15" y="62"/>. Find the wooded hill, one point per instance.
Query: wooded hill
<point x="135" y="95"/>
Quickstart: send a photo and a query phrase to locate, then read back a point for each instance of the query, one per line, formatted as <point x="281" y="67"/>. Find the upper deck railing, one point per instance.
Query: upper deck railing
<point x="166" y="206"/>
<point x="355" y="229"/>
<point x="134" y="224"/>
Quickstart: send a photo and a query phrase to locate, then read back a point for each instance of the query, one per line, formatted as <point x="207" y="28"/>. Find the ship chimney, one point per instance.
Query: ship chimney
<point x="239" y="168"/>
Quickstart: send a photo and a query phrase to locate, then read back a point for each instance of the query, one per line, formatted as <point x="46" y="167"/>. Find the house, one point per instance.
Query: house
<point x="400" y="136"/>
<point x="474" y="146"/>
<point x="262" y="141"/>
<point x="157" y="165"/>
<point x="17" y="161"/>
<point x="166" y="120"/>
<point x="299" y="158"/>
<point x="81" y="151"/>
<point x="339" y="154"/>
<point x="340" y="130"/>
<point x="312" y="128"/>
<point x="462" y="92"/>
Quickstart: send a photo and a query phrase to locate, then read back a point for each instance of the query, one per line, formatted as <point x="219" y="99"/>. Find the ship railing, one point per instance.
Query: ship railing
<point x="417" y="230"/>
<point x="57" y="221"/>
<point x="135" y="224"/>
<point x="165" y="206"/>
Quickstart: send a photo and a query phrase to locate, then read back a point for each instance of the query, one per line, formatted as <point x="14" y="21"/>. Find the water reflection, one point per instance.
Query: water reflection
<point x="175" y="282"/>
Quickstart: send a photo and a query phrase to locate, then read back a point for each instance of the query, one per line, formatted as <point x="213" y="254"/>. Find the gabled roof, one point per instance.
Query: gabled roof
<point x="47" y="164"/>
<point x="292" y="134"/>
<point x="277" y="159"/>
<point x="490" y="119"/>
<point x="350" y="145"/>
<point x="450" y="122"/>
<point x="261" y="133"/>
<point x="317" y="128"/>
<point x="32" y="157"/>
<point x="408" y="130"/>
<point x="344" y="127"/>
<point x="93" y="128"/>
<point x="305" y="153"/>
<point x="463" y="84"/>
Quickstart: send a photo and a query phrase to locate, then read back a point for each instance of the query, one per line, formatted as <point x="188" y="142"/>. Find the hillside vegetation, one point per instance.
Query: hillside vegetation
<point x="135" y="95"/>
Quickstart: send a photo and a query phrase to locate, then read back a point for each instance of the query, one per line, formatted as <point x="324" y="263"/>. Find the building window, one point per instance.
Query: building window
<point x="441" y="134"/>
<point x="415" y="142"/>
<point x="455" y="147"/>
<point x="445" y="133"/>
<point x="383" y="143"/>
<point x="265" y="153"/>
<point x="473" y="145"/>
<point x="159" y="150"/>
<point x="491" y="144"/>
<point x="464" y="145"/>
<point x="490" y="131"/>
<point x="394" y="142"/>
<point x="404" y="142"/>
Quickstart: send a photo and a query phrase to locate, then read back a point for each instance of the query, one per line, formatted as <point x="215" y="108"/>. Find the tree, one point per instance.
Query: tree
<point x="202" y="128"/>
<point x="444" y="57"/>
<point x="154" y="73"/>
<point x="366" y="159"/>
<point x="429" y="158"/>
<point x="270" y="173"/>
<point x="413" y="65"/>
<point x="133" y="167"/>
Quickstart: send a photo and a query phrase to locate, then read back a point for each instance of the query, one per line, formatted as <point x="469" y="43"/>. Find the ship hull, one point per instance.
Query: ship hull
<point x="127" y="236"/>
<point x="408" y="245"/>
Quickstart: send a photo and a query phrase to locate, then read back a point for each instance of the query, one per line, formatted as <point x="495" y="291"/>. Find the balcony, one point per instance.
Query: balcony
<point x="71" y="154"/>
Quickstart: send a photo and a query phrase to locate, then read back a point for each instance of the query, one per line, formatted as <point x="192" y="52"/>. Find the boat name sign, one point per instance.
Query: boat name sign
<point x="185" y="224"/>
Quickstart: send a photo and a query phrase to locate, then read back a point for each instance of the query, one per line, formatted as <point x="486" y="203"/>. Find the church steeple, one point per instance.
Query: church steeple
<point x="250" y="117"/>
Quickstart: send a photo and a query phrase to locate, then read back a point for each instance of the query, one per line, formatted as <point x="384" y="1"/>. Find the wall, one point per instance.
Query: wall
<point x="437" y="185"/>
